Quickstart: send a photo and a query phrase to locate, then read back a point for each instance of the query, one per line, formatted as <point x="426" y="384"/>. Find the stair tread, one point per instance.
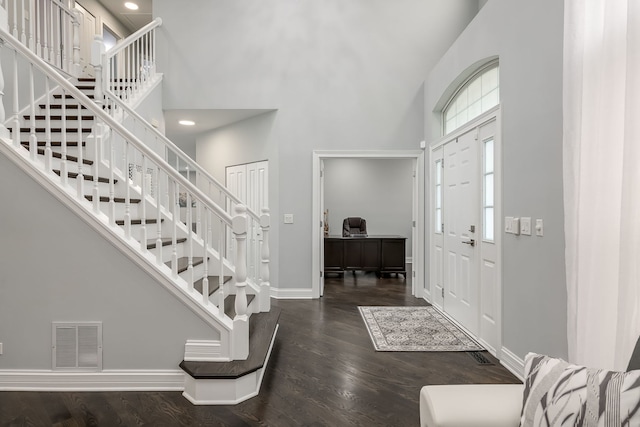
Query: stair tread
<point x="214" y="283"/>
<point x="55" y="130"/>
<point x="55" y="143"/>
<point x="262" y="327"/>
<point x="86" y="177"/>
<point x="68" y="96"/>
<point x="166" y="241"/>
<point x="139" y="221"/>
<point x="59" y="117"/>
<point x="183" y="263"/>
<point x="57" y="155"/>
<point x="115" y="199"/>
<point x="230" y="304"/>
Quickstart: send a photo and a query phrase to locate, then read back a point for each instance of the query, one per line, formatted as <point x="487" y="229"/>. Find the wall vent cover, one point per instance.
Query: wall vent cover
<point x="77" y="346"/>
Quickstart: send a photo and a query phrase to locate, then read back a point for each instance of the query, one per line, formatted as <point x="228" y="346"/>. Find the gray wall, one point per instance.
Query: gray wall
<point x="57" y="268"/>
<point x="378" y="190"/>
<point x="342" y="75"/>
<point x="527" y="37"/>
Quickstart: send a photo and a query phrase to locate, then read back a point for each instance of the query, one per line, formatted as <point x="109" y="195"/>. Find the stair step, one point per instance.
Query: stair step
<point x="74" y="175"/>
<point x="166" y="241"/>
<point x="214" y="283"/>
<point x="55" y="143"/>
<point x="86" y="79"/>
<point x="57" y="155"/>
<point x="115" y="199"/>
<point x="86" y="87"/>
<point x="139" y="221"/>
<point x="59" y="117"/>
<point x="68" y="96"/>
<point x="262" y="327"/>
<point x="230" y="304"/>
<point x="55" y="130"/>
<point x="183" y="263"/>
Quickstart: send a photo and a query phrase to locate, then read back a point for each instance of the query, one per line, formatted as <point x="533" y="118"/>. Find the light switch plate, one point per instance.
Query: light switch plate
<point x="525" y="226"/>
<point x="0" y="348"/>
<point x="515" y="226"/>
<point x="508" y="224"/>
<point x="539" y="227"/>
<point x="288" y="218"/>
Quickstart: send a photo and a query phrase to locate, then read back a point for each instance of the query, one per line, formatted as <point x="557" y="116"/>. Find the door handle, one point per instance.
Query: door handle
<point x="471" y="242"/>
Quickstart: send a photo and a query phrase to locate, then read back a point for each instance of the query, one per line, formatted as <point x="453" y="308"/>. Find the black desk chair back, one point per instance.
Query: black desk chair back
<point x="354" y="226"/>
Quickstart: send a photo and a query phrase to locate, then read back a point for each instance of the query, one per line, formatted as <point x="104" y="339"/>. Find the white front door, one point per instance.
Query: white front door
<point x="460" y="214"/>
<point x="437" y="224"/>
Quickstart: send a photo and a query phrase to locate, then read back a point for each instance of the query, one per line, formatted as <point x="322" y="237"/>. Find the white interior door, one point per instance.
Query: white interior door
<point x="460" y="243"/>
<point x="87" y="33"/>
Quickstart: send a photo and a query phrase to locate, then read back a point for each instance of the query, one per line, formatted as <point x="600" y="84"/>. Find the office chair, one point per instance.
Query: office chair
<point x="354" y="226"/>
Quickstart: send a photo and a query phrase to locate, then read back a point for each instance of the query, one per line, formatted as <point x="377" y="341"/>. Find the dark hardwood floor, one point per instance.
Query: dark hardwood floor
<point x="323" y="372"/>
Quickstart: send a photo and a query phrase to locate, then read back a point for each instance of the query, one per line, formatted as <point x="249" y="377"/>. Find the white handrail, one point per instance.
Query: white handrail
<point x="111" y="122"/>
<point x="122" y="44"/>
<point x="179" y="153"/>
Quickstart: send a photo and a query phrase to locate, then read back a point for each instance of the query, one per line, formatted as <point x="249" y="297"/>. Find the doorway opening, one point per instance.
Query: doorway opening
<point x="415" y="164"/>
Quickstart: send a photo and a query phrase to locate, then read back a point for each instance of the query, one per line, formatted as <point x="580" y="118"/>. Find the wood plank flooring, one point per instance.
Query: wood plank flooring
<point x="323" y="372"/>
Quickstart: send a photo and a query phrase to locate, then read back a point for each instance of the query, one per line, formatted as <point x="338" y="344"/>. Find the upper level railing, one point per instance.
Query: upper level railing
<point x="112" y="155"/>
<point x="123" y="84"/>
<point x="50" y="29"/>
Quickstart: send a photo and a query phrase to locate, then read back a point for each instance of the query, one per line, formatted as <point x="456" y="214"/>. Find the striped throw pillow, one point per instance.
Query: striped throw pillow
<point x="558" y="393"/>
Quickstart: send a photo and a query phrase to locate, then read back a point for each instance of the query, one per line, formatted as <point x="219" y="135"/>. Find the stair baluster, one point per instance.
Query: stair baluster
<point x="76" y="43"/>
<point x="205" y="255"/>
<point x="38" y="31"/>
<point x="16" y="106"/>
<point x="80" y="156"/>
<point x="221" y="293"/>
<point x="96" y="142"/>
<point x="127" y="203"/>
<point x="64" y="170"/>
<point x="112" y="184"/>
<point x="174" y="256"/>
<point x="4" y="132"/>
<point x="143" y="193"/>
<point x="33" y="140"/>
<point x="47" y="148"/>
<point x="189" y="219"/>
<point x="265" y="297"/>
<point x="158" y="192"/>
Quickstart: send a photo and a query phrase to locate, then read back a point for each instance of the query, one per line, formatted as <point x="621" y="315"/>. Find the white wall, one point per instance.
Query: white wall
<point x="342" y="75"/>
<point x="103" y="16"/>
<point x="57" y="268"/>
<point x="378" y="190"/>
<point x="527" y="36"/>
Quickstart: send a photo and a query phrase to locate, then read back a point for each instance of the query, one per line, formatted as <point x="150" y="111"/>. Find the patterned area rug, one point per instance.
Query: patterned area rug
<point x="414" y="329"/>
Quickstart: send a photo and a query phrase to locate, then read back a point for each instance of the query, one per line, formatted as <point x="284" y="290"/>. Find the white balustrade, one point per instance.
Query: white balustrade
<point x="265" y="285"/>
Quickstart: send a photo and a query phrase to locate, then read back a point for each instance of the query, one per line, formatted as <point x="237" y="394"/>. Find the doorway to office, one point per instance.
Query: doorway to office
<point x="415" y="164"/>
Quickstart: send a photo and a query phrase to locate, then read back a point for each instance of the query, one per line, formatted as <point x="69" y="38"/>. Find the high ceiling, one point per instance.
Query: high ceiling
<point x="132" y="19"/>
<point x="206" y="120"/>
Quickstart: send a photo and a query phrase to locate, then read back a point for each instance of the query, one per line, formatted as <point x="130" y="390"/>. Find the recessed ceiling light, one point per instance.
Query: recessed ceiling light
<point x="131" y="5"/>
<point x="187" y="122"/>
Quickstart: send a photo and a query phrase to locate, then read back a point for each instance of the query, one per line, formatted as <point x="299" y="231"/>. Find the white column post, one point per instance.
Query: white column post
<point x="265" y="285"/>
<point x="97" y="57"/>
<point x="241" y="321"/>
<point x="4" y="132"/>
<point x="75" y="68"/>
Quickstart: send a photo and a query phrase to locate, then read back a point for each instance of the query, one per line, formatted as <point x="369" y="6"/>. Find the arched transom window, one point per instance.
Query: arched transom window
<point x="479" y="93"/>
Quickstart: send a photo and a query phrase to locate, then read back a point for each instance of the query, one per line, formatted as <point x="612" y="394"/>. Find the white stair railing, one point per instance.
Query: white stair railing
<point x="49" y="28"/>
<point x="122" y="170"/>
<point x="116" y="95"/>
<point x="130" y="65"/>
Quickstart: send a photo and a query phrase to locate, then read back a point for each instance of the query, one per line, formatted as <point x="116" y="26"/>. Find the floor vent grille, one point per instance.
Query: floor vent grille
<point x="480" y="358"/>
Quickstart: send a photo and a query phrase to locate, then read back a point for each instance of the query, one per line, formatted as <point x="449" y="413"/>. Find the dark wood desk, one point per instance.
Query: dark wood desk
<point x="382" y="254"/>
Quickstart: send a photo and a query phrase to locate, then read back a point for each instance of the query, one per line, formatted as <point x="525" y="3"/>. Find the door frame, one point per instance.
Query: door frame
<point x="492" y="114"/>
<point x="418" y="206"/>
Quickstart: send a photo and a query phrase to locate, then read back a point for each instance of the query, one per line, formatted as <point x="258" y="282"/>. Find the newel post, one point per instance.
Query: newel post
<point x="75" y="66"/>
<point x="241" y="321"/>
<point x="265" y="285"/>
<point x="97" y="56"/>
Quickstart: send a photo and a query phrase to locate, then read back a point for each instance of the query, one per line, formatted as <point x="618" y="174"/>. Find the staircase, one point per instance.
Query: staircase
<point x="69" y="136"/>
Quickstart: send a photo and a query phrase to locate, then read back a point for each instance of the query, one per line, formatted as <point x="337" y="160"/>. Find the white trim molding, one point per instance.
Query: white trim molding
<point x="108" y="380"/>
<point x="204" y="351"/>
<point x="512" y="362"/>
<point x="292" y="293"/>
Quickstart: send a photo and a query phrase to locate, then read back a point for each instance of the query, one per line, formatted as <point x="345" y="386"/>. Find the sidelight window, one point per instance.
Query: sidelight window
<point x="488" y="196"/>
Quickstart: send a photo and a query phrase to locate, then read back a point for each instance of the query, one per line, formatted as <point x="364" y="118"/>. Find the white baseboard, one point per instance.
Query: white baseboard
<point x="512" y="362"/>
<point x="124" y="380"/>
<point x="293" y="293"/>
